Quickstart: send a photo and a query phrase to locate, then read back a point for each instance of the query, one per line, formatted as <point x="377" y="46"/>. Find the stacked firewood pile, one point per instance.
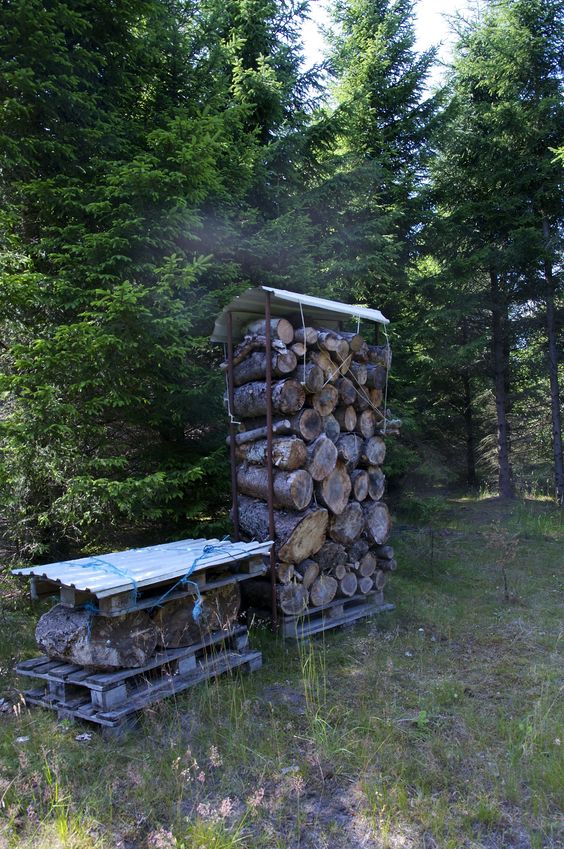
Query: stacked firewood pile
<point x="329" y="424"/>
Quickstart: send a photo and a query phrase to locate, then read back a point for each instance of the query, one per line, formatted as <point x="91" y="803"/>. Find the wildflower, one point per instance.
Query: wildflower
<point x="255" y="799"/>
<point x="201" y="777"/>
<point x="161" y="839"/>
<point x="557" y="741"/>
<point x="215" y="757"/>
<point x="32" y="814"/>
<point x="297" y="784"/>
<point x="226" y="808"/>
<point x="204" y="811"/>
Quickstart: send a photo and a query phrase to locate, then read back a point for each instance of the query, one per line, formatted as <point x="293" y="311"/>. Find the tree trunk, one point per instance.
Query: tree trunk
<point x="499" y="324"/>
<point x="359" y="480"/>
<point x="321" y="458"/>
<point x="249" y="400"/>
<point x="288" y="453"/>
<point x="175" y="621"/>
<point x="280" y="328"/>
<point x="322" y="591"/>
<point x="377" y="521"/>
<point x="291" y="490"/>
<point x="551" y="333"/>
<point x="325" y="401"/>
<point x="254" y="367"/>
<point x="298" y="535"/>
<point x="348" y="526"/>
<point x="471" y="476"/>
<point x="346" y="416"/>
<point x="311" y="377"/>
<point x="334" y="490"/>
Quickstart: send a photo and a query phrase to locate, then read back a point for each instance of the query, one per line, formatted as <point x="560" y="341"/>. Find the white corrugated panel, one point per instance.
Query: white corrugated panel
<point x="250" y="306"/>
<point x="119" y="571"/>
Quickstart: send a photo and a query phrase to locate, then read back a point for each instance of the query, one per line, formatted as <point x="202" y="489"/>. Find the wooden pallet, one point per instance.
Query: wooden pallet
<point x="116" y="605"/>
<point x="110" y="698"/>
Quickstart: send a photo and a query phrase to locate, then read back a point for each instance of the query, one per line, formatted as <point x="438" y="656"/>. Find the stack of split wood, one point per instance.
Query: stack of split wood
<point x="329" y="426"/>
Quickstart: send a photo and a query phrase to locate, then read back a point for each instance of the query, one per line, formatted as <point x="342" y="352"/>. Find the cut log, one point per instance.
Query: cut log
<point x="254" y="367"/>
<point x="366" y="423"/>
<point x="359" y="480"/>
<point x="306" y="334"/>
<point x="331" y="427"/>
<point x="285" y="572"/>
<point x="342" y="353"/>
<point x="347" y="585"/>
<point x="84" y="638"/>
<point x="280" y="328"/>
<point x="380" y="579"/>
<point x="250" y="344"/>
<point x="363" y="354"/>
<point x="339" y="571"/>
<point x="367" y="565"/>
<point x="380" y="355"/>
<point x="288" y="396"/>
<point x="175" y="621"/>
<point x="311" y="377"/>
<point x="376" y="398"/>
<point x="355" y="340"/>
<point x="359" y="373"/>
<point x="334" y="490"/>
<point x="308" y="570"/>
<point x="323" y="361"/>
<point x="384" y="552"/>
<point x="297" y="535"/>
<point x="362" y="400"/>
<point x="348" y="526"/>
<point x="321" y="457"/>
<point x="346" y="416"/>
<point x="282" y="426"/>
<point x="388" y="565"/>
<point x="357" y="550"/>
<point x="298" y="348"/>
<point x="288" y="452"/>
<point x="307" y="424"/>
<point x="365" y="585"/>
<point x="373" y="451"/>
<point x="322" y="591"/>
<point x="376" y="483"/>
<point x="325" y="400"/>
<point x="376" y="377"/>
<point x="327" y="340"/>
<point x="349" y="446"/>
<point x="330" y="555"/>
<point x="377" y="521"/>
<point x="291" y="598"/>
<point x="292" y="490"/>
<point x="346" y="390"/>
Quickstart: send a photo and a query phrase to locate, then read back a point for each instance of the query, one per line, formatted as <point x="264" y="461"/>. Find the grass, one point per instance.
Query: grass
<point x="437" y="725"/>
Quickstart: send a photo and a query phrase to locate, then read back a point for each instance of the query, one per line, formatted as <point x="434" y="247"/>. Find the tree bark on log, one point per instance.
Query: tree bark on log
<point x="254" y="367"/>
<point x="373" y="451"/>
<point x="282" y="426"/>
<point x="334" y="490"/>
<point x="330" y="555"/>
<point x="359" y="480"/>
<point x="326" y="400"/>
<point x="308" y="335"/>
<point x="291" y="598"/>
<point x="380" y="355"/>
<point x="249" y="400"/>
<point x="327" y="340"/>
<point x="311" y="377"/>
<point x="175" y="621"/>
<point x="355" y="340"/>
<point x="321" y="457"/>
<point x="308" y="571"/>
<point x="285" y="572"/>
<point x="348" y="526"/>
<point x="346" y="416"/>
<point x="280" y="328"/>
<point x="376" y="483"/>
<point x="292" y="490"/>
<point x="331" y="427"/>
<point x="359" y="373"/>
<point x="376" y="377"/>
<point x="322" y="591"/>
<point x="349" y="446"/>
<point x="298" y="535"/>
<point x="288" y="453"/>
<point x="84" y="638"/>
<point x="377" y="521"/>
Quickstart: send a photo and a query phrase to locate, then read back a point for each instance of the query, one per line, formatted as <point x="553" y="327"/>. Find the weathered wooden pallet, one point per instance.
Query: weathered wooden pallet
<point x="125" y="602"/>
<point x="109" y="698"/>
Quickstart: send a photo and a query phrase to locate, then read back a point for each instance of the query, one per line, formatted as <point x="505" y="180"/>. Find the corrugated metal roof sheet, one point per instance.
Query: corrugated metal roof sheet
<point x="250" y="305"/>
<point x="135" y="568"/>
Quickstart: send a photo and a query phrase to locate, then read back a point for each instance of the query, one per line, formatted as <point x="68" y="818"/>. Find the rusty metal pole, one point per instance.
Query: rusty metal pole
<point x="270" y="477"/>
<point x="230" y="395"/>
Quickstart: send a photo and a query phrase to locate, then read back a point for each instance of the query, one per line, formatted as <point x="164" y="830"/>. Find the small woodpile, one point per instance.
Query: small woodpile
<point x="328" y="449"/>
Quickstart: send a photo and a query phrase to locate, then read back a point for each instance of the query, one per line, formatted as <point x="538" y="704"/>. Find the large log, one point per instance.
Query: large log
<point x="249" y="400"/>
<point x="349" y="446"/>
<point x="384" y="552"/>
<point x="292" y="598"/>
<point x="322" y="591"/>
<point x="362" y="400"/>
<point x="376" y="482"/>
<point x="380" y="578"/>
<point x="359" y="480"/>
<point x="327" y="340"/>
<point x="373" y="451"/>
<point x="348" y="526"/>
<point x="388" y="565"/>
<point x="299" y="348"/>
<point x="311" y="377"/>
<point x="366" y="423"/>
<point x="357" y="550"/>
<point x="380" y="355"/>
<point x="254" y="367"/>
<point x="306" y="334"/>
<point x="331" y="427"/>
<point x="346" y="390"/>
<point x="285" y="572"/>
<point x="325" y="400"/>
<point x="347" y="585"/>
<point x="376" y="377"/>
<point x="307" y="424"/>
<point x="84" y="638"/>
<point x="367" y="565"/>
<point x="288" y="452"/>
<point x="377" y="521"/>
<point x="298" y="535"/>
<point x="250" y="344"/>
<point x="280" y="328"/>
<point x="330" y="555"/>
<point x="334" y="490"/>
<point x="355" y="340"/>
<point x="282" y="426"/>
<point x="365" y="585"/>
<point x="346" y="416"/>
<point x="358" y="373"/>
<point x="308" y="570"/>
<point x="292" y="490"/>
<point x="321" y="457"/>
<point x="175" y="621"/>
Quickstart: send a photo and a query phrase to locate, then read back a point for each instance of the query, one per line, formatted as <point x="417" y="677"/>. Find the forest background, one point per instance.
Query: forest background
<point x="160" y="156"/>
